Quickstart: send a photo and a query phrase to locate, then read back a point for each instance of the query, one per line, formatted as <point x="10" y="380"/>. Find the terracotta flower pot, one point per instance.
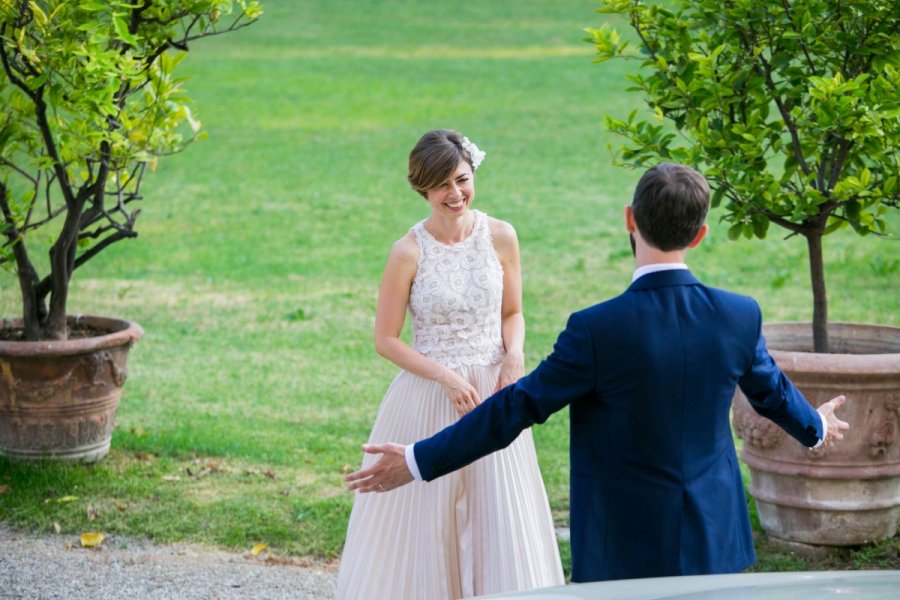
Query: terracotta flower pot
<point x="58" y="400"/>
<point x="847" y="494"/>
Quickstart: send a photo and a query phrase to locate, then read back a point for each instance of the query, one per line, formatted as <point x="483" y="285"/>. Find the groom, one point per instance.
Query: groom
<point x="649" y="376"/>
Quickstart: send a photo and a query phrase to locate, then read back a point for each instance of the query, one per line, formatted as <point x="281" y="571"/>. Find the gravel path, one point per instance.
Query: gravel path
<point x="57" y="567"/>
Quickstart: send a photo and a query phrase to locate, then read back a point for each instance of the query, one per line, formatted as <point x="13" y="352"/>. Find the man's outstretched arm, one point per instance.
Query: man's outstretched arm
<point x="564" y="376"/>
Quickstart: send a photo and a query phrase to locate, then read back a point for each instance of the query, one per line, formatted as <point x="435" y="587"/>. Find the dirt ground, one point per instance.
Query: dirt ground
<point x="57" y="566"/>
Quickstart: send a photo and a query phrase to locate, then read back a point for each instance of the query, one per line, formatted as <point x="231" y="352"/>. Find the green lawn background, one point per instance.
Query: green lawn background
<point x="256" y="271"/>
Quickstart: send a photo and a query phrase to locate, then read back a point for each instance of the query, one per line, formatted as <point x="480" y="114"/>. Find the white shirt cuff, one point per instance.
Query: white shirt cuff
<point x="824" y="432"/>
<point x="413" y="466"/>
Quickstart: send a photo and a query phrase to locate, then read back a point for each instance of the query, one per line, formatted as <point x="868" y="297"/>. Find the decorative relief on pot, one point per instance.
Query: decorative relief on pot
<point x="755" y="430"/>
<point x="97" y="361"/>
<point x="107" y="367"/>
<point x="119" y="372"/>
<point x="881" y="438"/>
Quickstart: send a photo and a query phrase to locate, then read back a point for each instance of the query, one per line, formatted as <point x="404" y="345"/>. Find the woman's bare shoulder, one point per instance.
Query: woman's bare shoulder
<point x="406" y="249"/>
<point x="503" y="233"/>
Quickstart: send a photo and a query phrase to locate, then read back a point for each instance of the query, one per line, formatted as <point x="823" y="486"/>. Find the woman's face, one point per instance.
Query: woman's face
<point x="454" y="196"/>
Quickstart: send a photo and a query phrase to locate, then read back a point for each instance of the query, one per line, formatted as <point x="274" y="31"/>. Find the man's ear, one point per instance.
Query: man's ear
<point x="630" y="226"/>
<point x="699" y="237"/>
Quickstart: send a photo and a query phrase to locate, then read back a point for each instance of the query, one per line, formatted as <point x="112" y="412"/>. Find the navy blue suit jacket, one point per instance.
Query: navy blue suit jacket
<point x="649" y="377"/>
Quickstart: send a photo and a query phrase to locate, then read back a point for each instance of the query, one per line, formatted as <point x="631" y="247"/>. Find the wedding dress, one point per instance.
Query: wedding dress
<point x="486" y="528"/>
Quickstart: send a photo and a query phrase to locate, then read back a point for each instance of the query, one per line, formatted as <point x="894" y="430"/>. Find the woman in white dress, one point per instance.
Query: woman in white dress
<point x="486" y="528"/>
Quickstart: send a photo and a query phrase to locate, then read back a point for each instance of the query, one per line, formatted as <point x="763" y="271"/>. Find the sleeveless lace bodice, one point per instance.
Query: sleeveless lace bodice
<point x="456" y="298"/>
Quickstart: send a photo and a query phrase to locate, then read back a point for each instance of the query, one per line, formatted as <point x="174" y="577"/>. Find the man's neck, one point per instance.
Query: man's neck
<point x="651" y="259"/>
<point x="651" y="256"/>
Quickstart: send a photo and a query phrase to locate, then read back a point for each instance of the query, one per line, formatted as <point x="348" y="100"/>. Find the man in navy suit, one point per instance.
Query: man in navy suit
<point x="649" y="377"/>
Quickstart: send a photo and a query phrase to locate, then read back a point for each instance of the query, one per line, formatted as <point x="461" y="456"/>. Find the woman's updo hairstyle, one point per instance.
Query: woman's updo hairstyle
<point x="434" y="159"/>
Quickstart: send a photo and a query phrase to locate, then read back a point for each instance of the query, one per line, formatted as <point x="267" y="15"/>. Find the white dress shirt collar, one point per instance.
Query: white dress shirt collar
<point x="653" y="268"/>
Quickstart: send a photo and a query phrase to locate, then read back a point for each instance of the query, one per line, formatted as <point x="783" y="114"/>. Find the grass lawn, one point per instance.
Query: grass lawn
<point x="260" y="251"/>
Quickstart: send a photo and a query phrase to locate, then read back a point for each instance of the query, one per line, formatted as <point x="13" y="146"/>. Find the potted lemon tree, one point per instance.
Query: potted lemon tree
<point x="90" y="101"/>
<point x="791" y="110"/>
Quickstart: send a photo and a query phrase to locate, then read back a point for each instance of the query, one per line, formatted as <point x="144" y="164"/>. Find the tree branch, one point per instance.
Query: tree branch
<point x="32" y="309"/>
<point x="7" y="66"/>
<point x="837" y="163"/>
<point x="809" y="61"/>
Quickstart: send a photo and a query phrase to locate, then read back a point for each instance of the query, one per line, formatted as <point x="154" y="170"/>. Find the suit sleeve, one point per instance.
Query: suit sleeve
<point x="566" y="375"/>
<point x="773" y="396"/>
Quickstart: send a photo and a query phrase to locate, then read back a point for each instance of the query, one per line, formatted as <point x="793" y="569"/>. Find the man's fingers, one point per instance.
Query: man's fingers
<point x="829" y="407"/>
<point x="374" y="469"/>
<point x="364" y="473"/>
<point x="834" y="425"/>
<point x="835" y="403"/>
<point x="361" y="474"/>
<point x="363" y="488"/>
<point x="834" y="422"/>
<point x="375" y="448"/>
<point x="367" y="480"/>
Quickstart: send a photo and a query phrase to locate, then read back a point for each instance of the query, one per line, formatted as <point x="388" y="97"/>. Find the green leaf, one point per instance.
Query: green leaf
<point x="865" y="177"/>
<point x="718" y="194"/>
<point x="93" y="6"/>
<point x="121" y="28"/>
<point x="36" y="82"/>
<point x="760" y="226"/>
<point x="39" y="15"/>
<point x="890" y="185"/>
<point x="834" y="225"/>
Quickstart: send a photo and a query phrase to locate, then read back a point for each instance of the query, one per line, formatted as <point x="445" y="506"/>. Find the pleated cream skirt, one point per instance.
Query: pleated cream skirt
<point x="484" y="529"/>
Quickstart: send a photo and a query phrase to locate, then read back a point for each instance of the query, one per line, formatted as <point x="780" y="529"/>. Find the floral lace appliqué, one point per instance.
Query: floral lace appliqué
<point x="456" y="298"/>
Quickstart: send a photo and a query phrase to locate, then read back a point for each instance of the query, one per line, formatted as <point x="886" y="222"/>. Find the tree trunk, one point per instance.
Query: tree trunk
<point x="60" y="265"/>
<point x="820" y="298"/>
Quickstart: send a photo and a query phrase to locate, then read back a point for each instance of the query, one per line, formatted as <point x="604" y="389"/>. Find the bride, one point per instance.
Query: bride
<point x="486" y="528"/>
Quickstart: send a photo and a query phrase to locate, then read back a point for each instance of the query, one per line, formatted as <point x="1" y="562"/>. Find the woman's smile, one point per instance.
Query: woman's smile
<point x="456" y="193"/>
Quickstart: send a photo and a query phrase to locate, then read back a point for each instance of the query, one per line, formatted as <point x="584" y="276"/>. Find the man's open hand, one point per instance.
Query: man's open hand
<point x="388" y="473"/>
<point x="836" y="427"/>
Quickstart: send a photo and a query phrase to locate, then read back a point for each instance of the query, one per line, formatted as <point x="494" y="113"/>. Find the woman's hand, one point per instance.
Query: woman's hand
<point x="461" y="393"/>
<point x="511" y="369"/>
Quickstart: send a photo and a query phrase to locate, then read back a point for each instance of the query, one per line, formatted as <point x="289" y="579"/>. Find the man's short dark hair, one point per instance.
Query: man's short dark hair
<point x="670" y="205"/>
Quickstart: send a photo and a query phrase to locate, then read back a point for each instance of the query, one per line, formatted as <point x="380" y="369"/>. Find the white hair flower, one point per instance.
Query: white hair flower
<point x="474" y="153"/>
